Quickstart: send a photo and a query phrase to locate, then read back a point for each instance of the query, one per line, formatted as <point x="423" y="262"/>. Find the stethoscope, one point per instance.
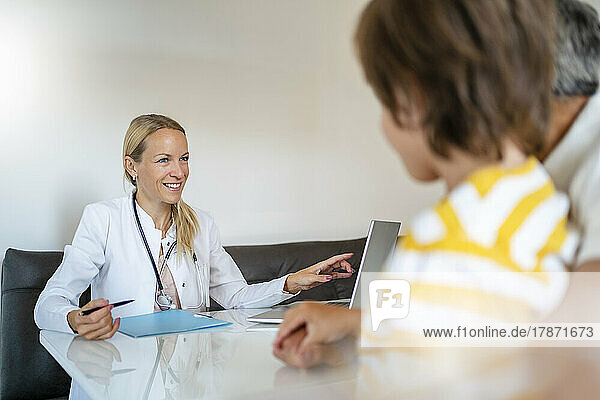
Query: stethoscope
<point x="163" y="300"/>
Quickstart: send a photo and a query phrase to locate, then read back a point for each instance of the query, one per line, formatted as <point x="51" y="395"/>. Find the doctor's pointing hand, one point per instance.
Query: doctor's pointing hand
<point x="153" y="247"/>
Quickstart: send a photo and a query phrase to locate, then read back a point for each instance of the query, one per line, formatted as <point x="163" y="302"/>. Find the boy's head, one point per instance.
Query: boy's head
<point x="463" y="74"/>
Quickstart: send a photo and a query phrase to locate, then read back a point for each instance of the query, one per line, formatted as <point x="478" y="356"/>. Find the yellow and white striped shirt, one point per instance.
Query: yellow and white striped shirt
<point x="486" y="251"/>
<point x="514" y="219"/>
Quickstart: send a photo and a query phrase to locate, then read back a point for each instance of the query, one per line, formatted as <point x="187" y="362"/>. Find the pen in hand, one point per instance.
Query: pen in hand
<point x="117" y="304"/>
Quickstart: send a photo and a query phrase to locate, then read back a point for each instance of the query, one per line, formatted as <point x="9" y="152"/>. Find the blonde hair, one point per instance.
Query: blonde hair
<point x="134" y="145"/>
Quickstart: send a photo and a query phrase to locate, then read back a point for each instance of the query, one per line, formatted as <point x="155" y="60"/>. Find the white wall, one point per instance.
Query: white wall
<point x="283" y="132"/>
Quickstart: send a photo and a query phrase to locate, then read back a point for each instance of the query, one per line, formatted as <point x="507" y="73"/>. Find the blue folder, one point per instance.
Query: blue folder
<point x="164" y="322"/>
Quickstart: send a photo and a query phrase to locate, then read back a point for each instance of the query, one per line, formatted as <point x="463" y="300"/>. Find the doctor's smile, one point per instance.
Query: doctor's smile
<point x="174" y="187"/>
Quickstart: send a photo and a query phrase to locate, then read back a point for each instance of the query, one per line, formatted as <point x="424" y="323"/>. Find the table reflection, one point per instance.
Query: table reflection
<point x="174" y="366"/>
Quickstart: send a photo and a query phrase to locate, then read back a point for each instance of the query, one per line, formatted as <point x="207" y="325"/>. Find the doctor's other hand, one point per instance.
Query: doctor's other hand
<point x="319" y="273"/>
<point x="97" y="325"/>
<point x="322" y="324"/>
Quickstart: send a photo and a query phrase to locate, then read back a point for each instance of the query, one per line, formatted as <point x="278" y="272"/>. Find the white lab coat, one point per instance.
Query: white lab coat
<point x="108" y="252"/>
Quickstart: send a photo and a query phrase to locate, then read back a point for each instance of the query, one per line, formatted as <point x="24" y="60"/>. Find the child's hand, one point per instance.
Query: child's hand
<point x="323" y="324"/>
<point x="313" y="355"/>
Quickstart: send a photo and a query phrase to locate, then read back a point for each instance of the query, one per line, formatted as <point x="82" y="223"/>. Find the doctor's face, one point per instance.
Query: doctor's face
<point x="163" y="169"/>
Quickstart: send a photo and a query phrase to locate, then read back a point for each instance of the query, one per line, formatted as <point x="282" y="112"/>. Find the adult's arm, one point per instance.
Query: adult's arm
<point x="230" y="289"/>
<point x="81" y="263"/>
<point x="589" y="266"/>
<point x="228" y="286"/>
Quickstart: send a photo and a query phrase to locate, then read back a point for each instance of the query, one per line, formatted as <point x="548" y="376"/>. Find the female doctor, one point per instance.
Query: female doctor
<point x="154" y="248"/>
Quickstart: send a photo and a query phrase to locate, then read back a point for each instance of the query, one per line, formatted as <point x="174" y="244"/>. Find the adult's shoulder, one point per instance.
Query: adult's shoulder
<point x="108" y="206"/>
<point x="105" y="209"/>
<point x="208" y="228"/>
<point x="205" y="218"/>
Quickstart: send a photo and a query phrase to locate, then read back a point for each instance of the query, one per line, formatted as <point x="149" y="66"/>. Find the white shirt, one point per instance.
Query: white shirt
<point x="108" y="253"/>
<point x="574" y="166"/>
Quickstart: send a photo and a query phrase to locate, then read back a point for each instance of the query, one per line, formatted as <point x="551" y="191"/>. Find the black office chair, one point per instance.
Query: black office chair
<point x="28" y="371"/>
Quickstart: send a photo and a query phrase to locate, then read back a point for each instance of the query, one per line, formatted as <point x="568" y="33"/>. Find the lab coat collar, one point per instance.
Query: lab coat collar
<point x="148" y="223"/>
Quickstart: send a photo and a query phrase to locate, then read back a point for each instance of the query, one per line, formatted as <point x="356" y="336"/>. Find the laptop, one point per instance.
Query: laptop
<point x="381" y="242"/>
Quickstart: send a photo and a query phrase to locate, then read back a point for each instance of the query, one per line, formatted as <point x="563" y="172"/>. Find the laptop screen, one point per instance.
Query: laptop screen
<point x="381" y="241"/>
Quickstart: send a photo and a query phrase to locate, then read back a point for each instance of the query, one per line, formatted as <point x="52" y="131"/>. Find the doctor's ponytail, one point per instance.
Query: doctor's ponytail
<point x="187" y="227"/>
<point x="134" y="145"/>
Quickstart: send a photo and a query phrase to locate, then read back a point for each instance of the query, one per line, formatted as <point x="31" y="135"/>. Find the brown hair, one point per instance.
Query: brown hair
<point x="134" y="146"/>
<point x="482" y="68"/>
